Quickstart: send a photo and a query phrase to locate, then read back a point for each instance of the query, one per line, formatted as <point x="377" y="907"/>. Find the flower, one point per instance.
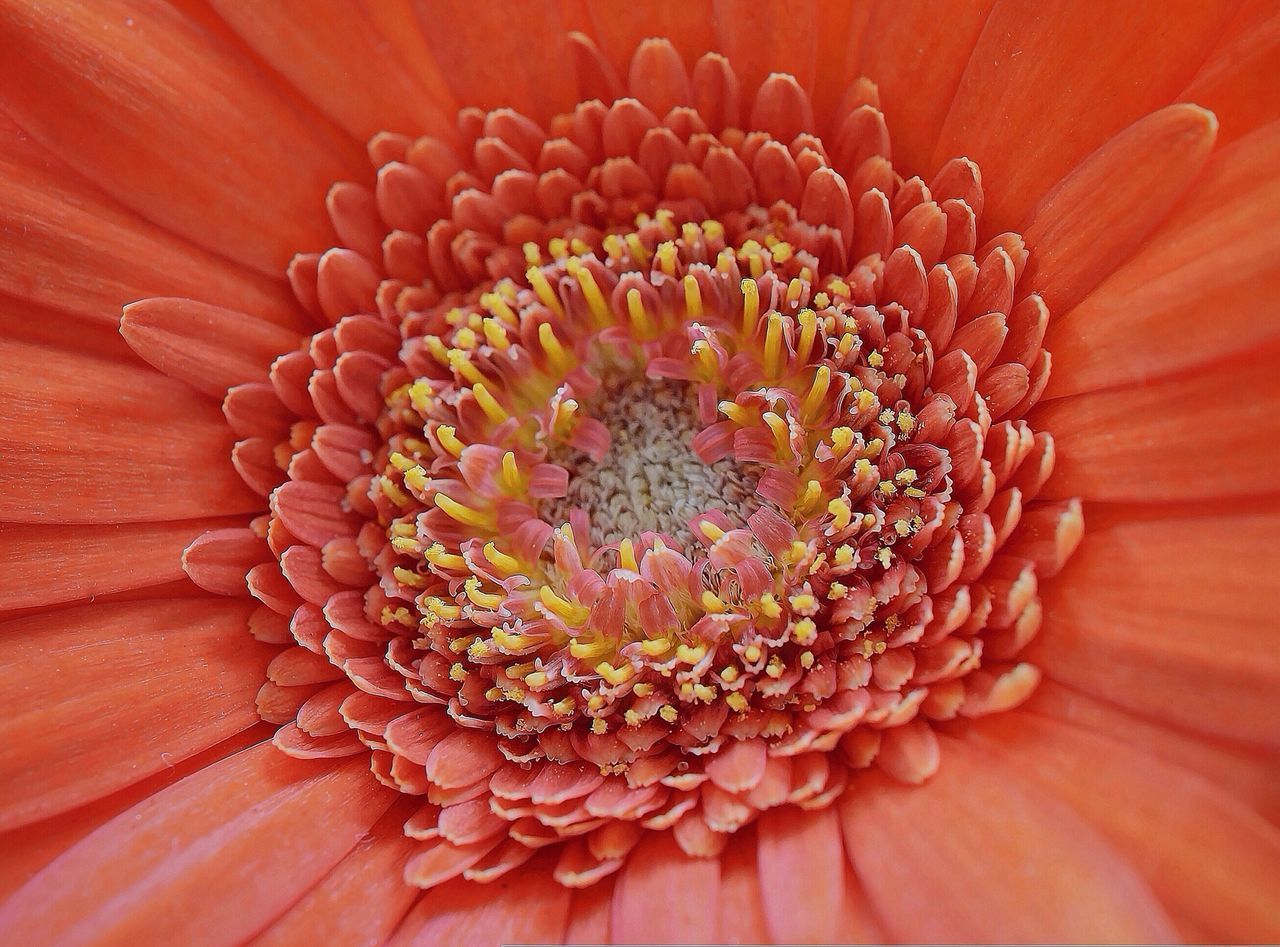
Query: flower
<point x="640" y="522"/>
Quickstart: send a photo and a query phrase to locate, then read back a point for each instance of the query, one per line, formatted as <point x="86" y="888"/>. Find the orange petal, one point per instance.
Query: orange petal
<point x="1237" y="80"/>
<point x="982" y="854"/>
<point x="47" y="565"/>
<point x="1246" y="772"/>
<point x="589" y="914"/>
<point x="376" y="91"/>
<point x="1212" y="860"/>
<point x="532" y="910"/>
<point x="208" y="347"/>
<point x="97" y="697"/>
<point x="92" y="441"/>
<point x="644" y="908"/>
<point x="1206" y="435"/>
<point x="65" y="244"/>
<point x="468" y="38"/>
<point x="1166" y="616"/>
<point x="802" y="866"/>
<point x="1147" y="320"/>
<point x="32" y="847"/>
<point x="760" y="38"/>
<point x="1096" y="68"/>
<point x="742" y="919"/>
<point x="619" y="28"/>
<point x="174" y="868"/>
<point x="162" y="107"/>
<point x="917" y="68"/>
<point x="1101" y="212"/>
<point x="362" y="900"/>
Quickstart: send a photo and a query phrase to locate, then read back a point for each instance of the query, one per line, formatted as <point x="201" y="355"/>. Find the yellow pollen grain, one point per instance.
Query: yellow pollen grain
<point x="615" y="675"/>
<point x="420" y="396"/>
<point x="598" y="726"/>
<point x="844" y="555"/>
<point x="736" y="702"/>
<point x="840" y="512"/>
<point x="752" y="653"/>
<point x="400" y="461"/>
<point x="729" y="674"/>
<point x="837" y="591"/>
<point x="668" y="713"/>
<point x="806" y="660"/>
<point x="642" y="690"/>
<point x="415" y="478"/>
<point x="691" y="655"/>
<point x="769" y="606"/>
<point x="666" y="255"/>
<point x="653" y="647"/>
<point x="457" y="672"/>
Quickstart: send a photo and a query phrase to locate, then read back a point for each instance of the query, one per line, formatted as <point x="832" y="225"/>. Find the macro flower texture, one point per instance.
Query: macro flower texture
<point x="700" y="472"/>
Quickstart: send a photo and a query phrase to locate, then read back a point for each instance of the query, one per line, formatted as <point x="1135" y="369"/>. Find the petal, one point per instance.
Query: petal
<point x="763" y="38"/>
<point x="531" y="909"/>
<point x="65" y="244"/>
<point x="1096" y="216"/>
<point x="375" y="93"/>
<point x="85" y="691"/>
<point x="1241" y="769"/>
<point x="163" y="104"/>
<point x="212" y="859"/>
<point x="981" y="854"/>
<point x="32" y="847"/>
<point x="644" y="908"/>
<point x="742" y="919"/>
<point x="48" y="565"/>
<point x="1138" y="618"/>
<point x="619" y="28"/>
<point x="1095" y="69"/>
<point x="1148" y="320"/>
<point x="802" y="866"/>
<point x="164" y="455"/>
<point x="1235" y="80"/>
<point x="362" y="900"/>
<point x="208" y="347"/>
<point x="468" y="38"/>
<point x="1211" y="860"/>
<point x="1143" y="443"/>
<point x="917" y="68"/>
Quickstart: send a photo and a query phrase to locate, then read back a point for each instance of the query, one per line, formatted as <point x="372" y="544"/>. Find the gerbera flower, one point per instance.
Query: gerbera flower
<point x="638" y="499"/>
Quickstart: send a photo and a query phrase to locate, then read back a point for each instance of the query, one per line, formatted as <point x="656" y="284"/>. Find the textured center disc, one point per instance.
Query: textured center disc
<point x="651" y="479"/>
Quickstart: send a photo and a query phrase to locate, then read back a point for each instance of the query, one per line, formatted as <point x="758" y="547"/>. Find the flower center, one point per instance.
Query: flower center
<point x="688" y="469"/>
<point x="650" y="480"/>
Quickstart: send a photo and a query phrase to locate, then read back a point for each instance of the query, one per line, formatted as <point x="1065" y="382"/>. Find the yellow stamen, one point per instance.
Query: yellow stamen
<point x="464" y="514"/>
<point x="488" y="404"/>
<point x="735" y="413"/>
<point x="769" y="606"/>
<point x="817" y="391"/>
<point x="460" y="362"/>
<point x="571" y="612"/>
<point x="710" y="530"/>
<point x="808" y="320"/>
<point x="615" y="675"/>
<point x="781" y="436"/>
<point x="841" y="513"/>
<point x="479" y="598"/>
<point x="594" y="298"/>
<point x="750" y="305"/>
<point x="712" y="603"/>
<point x="668" y="713"/>
<point x="692" y="297"/>
<point x="773" y="346"/>
<point x="501" y="561"/>
<point x="666" y="254"/>
<point x="495" y="335"/>
<point x="408" y="577"/>
<point x="542" y="289"/>
<point x="627" y="556"/>
<point x="639" y="318"/>
<point x="736" y="702"/>
<point x="560" y="358"/>
<point x="655" y="646"/>
<point x="438" y="556"/>
<point x="447" y="435"/>
<point x="512" y="479"/>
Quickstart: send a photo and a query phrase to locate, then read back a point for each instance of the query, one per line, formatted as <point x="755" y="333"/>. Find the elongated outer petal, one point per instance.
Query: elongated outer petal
<point x="1139" y="615"/>
<point x="67" y="245"/>
<point x="1145" y="442"/>
<point x="48" y="565"/>
<point x="528" y="906"/>
<point x="209" y="860"/>
<point x="1151" y="318"/>
<point x="310" y="43"/>
<point x="98" y="697"/>
<point x="209" y="347"/>
<point x="917" y="66"/>
<point x="1123" y="60"/>
<point x="89" y="441"/>
<point x="1100" y="213"/>
<point x="980" y="854"/>
<point x="1213" y="861"/>
<point x="803" y="885"/>
<point x="164" y="104"/>
<point x="664" y="896"/>
<point x="1236" y="80"/>
<point x="362" y="900"/>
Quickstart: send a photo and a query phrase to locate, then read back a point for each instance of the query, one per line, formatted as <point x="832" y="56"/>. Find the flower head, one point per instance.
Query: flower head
<point x="653" y="499"/>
